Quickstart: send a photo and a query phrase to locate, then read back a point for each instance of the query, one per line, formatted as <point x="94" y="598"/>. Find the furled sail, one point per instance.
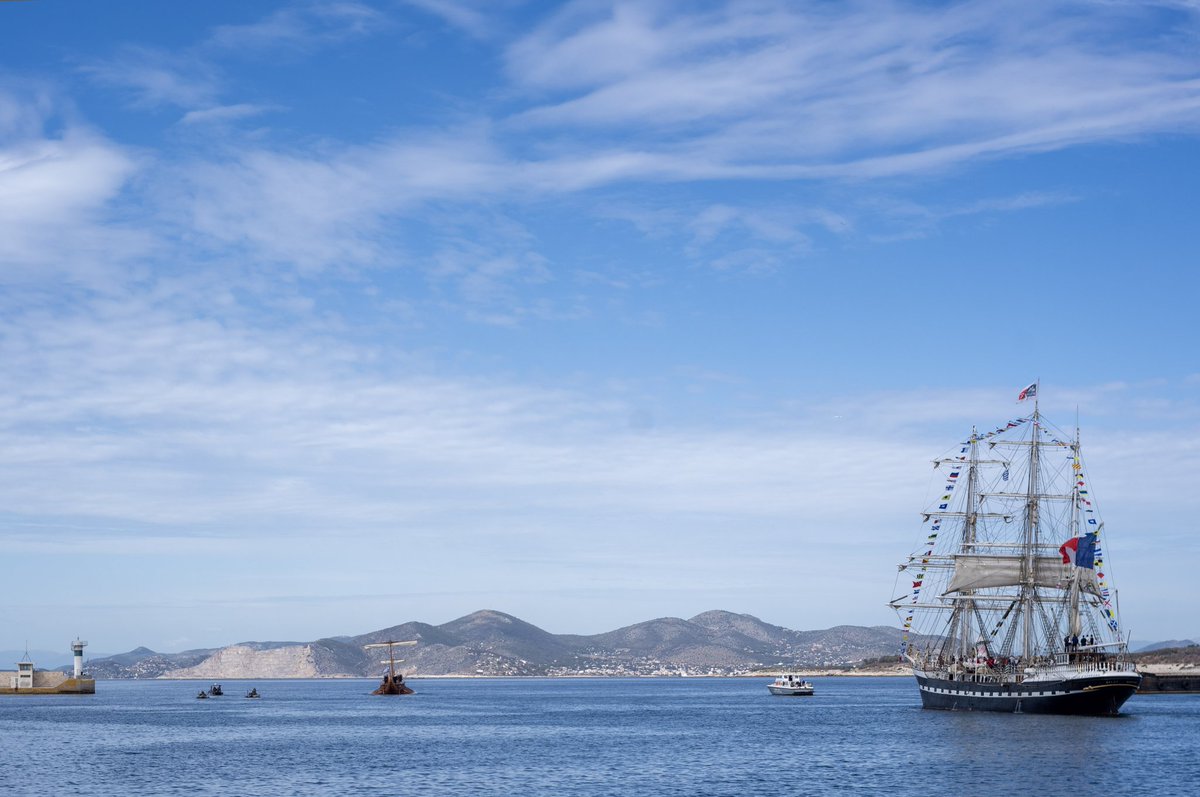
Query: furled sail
<point x="978" y="571"/>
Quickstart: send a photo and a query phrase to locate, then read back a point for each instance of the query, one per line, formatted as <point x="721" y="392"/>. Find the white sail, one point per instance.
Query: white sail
<point x="981" y="571"/>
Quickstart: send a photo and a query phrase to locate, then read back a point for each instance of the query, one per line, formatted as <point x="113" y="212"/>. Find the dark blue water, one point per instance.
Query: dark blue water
<point x="580" y="737"/>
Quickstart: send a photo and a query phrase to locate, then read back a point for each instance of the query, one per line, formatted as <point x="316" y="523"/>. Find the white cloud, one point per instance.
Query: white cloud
<point x="590" y="44"/>
<point x="302" y="26"/>
<point x="224" y="113"/>
<point x="155" y="77"/>
<point x="319" y="208"/>
<point x="132" y="420"/>
<point x="478" y="18"/>
<point x="621" y="93"/>
<point x="56" y="196"/>
<point x="253" y="432"/>
<point x="48" y="180"/>
<point x="192" y="77"/>
<point x="495" y="270"/>
<point x="906" y="219"/>
<point x="795" y="91"/>
<point x="146" y="417"/>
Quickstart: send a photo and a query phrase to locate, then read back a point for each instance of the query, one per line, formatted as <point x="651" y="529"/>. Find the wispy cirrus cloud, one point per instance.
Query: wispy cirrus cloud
<point x="477" y="18"/>
<point x="905" y="219"/>
<point x="151" y="77"/>
<point x="633" y="93"/>
<point x="622" y="93"/>
<point x="220" y="114"/>
<point x="193" y="77"/>
<point x="814" y="91"/>
<point x="303" y="26"/>
<point x="311" y="209"/>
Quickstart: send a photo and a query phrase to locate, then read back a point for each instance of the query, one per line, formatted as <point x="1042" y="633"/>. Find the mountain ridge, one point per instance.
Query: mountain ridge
<point x="490" y="642"/>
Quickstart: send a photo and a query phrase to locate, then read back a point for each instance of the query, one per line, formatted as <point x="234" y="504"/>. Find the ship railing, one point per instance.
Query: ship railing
<point x="977" y="673"/>
<point x="1092" y="662"/>
<point x="1102" y="666"/>
<point x="1014" y="671"/>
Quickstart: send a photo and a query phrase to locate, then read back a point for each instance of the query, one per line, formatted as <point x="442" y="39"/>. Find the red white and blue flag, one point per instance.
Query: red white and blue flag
<point x="1028" y="392"/>
<point x="1079" y="551"/>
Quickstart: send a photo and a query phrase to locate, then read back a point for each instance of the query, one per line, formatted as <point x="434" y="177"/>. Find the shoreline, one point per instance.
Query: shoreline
<point x="814" y="673"/>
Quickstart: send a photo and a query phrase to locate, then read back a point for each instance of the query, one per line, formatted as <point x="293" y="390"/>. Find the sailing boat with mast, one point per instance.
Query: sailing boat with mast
<point x="1011" y="606"/>
<point x="393" y="682"/>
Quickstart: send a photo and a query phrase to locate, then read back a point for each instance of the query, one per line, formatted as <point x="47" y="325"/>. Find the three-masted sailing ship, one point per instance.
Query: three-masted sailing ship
<point x="1012" y="607"/>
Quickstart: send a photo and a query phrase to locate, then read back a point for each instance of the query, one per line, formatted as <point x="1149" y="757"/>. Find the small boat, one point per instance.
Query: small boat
<point x="215" y="690"/>
<point x="253" y="694"/>
<point x="202" y="696"/>
<point x="791" y="686"/>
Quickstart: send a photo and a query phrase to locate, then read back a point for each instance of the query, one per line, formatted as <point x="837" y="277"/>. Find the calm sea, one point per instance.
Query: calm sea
<point x="580" y="737"/>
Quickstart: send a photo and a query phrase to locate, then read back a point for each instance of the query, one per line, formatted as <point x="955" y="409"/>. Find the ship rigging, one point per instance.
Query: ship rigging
<point x="1012" y="606"/>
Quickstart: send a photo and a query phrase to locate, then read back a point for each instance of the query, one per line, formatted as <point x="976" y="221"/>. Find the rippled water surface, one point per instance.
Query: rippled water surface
<point x="579" y="737"/>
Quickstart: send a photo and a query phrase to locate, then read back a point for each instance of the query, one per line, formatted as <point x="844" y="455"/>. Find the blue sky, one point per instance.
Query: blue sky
<point x="320" y="317"/>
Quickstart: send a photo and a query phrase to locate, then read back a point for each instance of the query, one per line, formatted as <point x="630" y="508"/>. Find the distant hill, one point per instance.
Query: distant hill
<point x="493" y="643"/>
<point x="1169" y="658"/>
<point x="144" y="663"/>
<point x="1146" y="647"/>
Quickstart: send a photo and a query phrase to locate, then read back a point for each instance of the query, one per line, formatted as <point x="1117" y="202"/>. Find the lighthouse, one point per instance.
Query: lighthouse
<point x="77" y="648"/>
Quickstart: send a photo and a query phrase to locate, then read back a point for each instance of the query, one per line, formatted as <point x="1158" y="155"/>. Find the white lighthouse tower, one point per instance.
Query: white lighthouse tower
<point x="77" y="647"/>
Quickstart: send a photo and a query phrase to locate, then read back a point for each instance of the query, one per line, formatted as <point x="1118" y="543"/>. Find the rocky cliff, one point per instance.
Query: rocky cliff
<point x="243" y="661"/>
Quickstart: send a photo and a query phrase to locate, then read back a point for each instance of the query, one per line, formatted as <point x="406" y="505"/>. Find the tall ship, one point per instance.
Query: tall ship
<point x="30" y="681"/>
<point x="1011" y="606"/>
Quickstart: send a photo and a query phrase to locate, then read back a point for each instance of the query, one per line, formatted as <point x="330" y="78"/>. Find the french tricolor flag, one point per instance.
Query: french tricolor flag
<point x="1079" y="551"/>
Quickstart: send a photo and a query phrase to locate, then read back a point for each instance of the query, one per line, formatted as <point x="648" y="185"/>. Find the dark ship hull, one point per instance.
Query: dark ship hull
<point x="1098" y="695"/>
<point x="393" y="686"/>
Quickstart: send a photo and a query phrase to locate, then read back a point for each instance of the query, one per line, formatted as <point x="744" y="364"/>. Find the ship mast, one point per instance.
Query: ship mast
<point x="1076" y="625"/>
<point x="967" y="606"/>
<point x="1028" y="589"/>
<point x="960" y="638"/>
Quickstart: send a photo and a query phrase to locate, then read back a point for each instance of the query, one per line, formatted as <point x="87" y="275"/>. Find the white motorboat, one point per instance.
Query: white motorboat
<point x="791" y="686"/>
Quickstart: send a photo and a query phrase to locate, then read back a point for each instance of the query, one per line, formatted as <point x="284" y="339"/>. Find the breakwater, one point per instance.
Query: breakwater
<point x="1179" y="683"/>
